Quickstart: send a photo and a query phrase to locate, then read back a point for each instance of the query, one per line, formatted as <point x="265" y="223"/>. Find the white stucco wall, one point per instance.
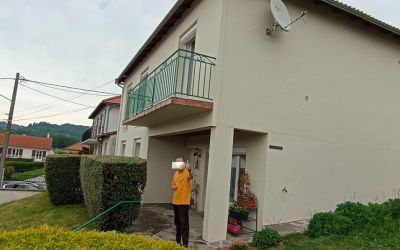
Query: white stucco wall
<point x="327" y="91"/>
<point x="207" y="15"/>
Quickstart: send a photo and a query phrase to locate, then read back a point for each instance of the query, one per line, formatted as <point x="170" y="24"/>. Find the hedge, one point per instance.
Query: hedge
<point x="20" y="166"/>
<point x="63" y="180"/>
<point x="107" y="180"/>
<point x="55" y="238"/>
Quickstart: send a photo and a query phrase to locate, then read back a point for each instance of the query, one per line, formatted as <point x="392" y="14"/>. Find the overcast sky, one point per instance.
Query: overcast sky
<point x="86" y="44"/>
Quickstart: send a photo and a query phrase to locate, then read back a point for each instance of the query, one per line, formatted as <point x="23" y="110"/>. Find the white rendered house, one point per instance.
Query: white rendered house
<point x="103" y="133"/>
<point x="311" y="114"/>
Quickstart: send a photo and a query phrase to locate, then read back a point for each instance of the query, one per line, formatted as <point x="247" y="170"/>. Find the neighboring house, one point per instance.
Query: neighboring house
<point x="27" y="147"/>
<point x="78" y="148"/>
<point x="103" y="133"/>
<point x="311" y="114"/>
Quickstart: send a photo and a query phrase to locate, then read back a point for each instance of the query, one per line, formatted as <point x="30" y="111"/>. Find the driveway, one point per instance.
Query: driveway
<point x="13" y="195"/>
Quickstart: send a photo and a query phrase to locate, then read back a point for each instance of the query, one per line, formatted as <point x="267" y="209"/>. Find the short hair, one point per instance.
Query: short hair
<point x="178" y="159"/>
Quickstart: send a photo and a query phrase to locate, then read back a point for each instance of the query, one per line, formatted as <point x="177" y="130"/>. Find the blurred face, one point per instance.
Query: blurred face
<point x="179" y="159"/>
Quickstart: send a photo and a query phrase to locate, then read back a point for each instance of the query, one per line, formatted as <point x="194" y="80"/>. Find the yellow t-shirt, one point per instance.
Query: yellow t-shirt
<point x="183" y="182"/>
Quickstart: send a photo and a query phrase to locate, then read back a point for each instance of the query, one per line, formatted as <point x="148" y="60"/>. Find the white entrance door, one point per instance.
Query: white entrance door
<point x="238" y="166"/>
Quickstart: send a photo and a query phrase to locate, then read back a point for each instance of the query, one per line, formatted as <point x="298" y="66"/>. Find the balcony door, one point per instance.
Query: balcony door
<point x="188" y="67"/>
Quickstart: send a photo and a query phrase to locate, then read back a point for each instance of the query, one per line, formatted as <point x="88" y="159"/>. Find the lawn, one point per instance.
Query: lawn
<point x="37" y="210"/>
<point x="383" y="236"/>
<point x="28" y="174"/>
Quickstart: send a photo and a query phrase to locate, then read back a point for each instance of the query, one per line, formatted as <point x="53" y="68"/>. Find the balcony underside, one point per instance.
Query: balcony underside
<point x="170" y="109"/>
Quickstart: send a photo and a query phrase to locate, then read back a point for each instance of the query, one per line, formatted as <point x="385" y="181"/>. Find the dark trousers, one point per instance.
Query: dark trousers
<point x="181" y="213"/>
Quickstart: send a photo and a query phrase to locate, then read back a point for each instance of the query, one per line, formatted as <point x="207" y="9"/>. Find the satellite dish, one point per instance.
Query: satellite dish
<point x="281" y="15"/>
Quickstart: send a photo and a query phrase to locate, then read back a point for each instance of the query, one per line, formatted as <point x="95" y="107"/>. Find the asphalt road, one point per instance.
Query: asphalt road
<point x="11" y="195"/>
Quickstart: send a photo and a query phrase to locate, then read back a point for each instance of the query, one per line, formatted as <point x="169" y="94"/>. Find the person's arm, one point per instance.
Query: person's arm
<point x="189" y="169"/>
<point x="173" y="185"/>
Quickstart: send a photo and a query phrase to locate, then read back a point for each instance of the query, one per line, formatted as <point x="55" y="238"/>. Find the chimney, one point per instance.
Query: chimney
<point x="48" y="134"/>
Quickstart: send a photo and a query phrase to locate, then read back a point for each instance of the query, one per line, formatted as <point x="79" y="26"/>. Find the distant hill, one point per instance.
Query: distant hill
<point x="63" y="135"/>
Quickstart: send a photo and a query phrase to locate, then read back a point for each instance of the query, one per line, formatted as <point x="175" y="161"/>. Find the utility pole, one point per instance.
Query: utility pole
<point x="8" y="130"/>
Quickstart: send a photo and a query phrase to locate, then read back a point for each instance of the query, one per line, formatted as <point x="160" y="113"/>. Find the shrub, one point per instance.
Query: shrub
<point x="394" y="208"/>
<point x="55" y="238"/>
<point x="21" y="166"/>
<point x="8" y="172"/>
<point x="107" y="180"/>
<point x="63" y="180"/>
<point x="358" y="213"/>
<point x="265" y="238"/>
<point x="329" y="224"/>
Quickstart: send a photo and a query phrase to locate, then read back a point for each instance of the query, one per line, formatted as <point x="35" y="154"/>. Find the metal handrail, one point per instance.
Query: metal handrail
<point x="184" y="74"/>
<point x="97" y="217"/>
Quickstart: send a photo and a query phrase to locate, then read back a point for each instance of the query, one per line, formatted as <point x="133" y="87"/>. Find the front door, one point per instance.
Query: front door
<point x="238" y="166"/>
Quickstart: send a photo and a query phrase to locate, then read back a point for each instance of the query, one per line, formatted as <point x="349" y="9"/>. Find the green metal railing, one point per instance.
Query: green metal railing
<point x="184" y="74"/>
<point x="97" y="217"/>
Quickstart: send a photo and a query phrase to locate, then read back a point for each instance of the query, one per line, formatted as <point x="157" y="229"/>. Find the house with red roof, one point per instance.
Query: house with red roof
<point x="78" y="148"/>
<point x="27" y="147"/>
<point x="103" y="133"/>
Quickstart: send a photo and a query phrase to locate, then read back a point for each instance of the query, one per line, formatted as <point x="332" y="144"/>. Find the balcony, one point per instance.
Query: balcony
<point x="179" y="87"/>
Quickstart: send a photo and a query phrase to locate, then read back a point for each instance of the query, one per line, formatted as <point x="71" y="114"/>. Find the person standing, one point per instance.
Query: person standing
<point x="181" y="185"/>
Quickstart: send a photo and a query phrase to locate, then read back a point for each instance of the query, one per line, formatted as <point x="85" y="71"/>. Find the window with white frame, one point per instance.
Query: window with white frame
<point x="136" y="146"/>
<point x="123" y="148"/>
<point x="38" y="154"/>
<point x="16" y="153"/>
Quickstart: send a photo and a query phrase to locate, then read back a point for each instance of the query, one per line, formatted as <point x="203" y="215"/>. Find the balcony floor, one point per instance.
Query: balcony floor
<point x="169" y="109"/>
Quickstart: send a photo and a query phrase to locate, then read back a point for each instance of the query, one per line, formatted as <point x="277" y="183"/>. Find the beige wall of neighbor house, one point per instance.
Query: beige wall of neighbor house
<point x="327" y="91"/>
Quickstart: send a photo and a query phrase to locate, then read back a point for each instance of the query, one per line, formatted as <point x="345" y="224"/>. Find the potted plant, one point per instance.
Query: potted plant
<point x="238" y="212"/>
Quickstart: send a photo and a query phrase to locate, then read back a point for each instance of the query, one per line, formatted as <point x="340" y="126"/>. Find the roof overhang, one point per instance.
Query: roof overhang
<point x="162" y="29"/>
<point x="90" y="142"/>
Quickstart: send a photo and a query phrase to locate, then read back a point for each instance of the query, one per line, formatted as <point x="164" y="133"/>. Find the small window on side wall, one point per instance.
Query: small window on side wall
<point x="136" y="145"/>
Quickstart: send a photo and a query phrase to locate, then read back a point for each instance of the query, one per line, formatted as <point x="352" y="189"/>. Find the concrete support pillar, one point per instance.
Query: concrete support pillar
<point x="218" y="181"/>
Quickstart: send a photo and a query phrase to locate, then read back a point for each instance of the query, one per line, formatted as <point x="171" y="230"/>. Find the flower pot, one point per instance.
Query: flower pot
<point x="239" y="215"/>
<point x="233" y="229"/>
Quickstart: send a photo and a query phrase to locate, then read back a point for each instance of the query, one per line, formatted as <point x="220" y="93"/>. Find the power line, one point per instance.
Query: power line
<point x="71" y="91"/>
<point x="7" y="78"/>
<point x="53" y="115"/>
<point x="68" y="87"/>
<point x="51" y="104"/>
<point x="5" y="97"/>
<point x="44" y="93"/>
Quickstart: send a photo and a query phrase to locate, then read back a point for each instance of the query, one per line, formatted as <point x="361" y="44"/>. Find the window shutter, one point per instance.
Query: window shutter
<point x="44" y="153"/>
<point x="20" y="152"/>
<point x="9" y="151"/>
<point x="33" y="153"/>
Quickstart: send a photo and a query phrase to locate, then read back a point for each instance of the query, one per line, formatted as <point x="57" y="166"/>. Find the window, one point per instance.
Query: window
<point x="136" y="146"/>
<point x="16" y="153"/>
<point x="123" y="147"/>
<point x="105" y="149"/>
<point x="38" y="154"/>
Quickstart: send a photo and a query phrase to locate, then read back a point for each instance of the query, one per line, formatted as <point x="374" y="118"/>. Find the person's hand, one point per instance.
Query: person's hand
<point x="188" y="165"/>
<point x="174" y="187"/>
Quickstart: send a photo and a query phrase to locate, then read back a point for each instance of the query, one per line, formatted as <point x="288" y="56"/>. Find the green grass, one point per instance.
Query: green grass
<point x="386" y="235"/>
<point x="28" y="174"/>
<point x="37" y="210"/>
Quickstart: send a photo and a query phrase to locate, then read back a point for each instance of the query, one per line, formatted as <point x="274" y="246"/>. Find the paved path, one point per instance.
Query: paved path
<point x="157" y="220"/>
<point x="12" y="195"/>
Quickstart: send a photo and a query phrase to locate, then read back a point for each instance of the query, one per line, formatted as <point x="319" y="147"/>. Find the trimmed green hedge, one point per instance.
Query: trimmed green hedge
<point x="107" y="180"/>
<point x="55" y="238"/>
<point x="20" y="166"/>
<point x="63" y="180"/>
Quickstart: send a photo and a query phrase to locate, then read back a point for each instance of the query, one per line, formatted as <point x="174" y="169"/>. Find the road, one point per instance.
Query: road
<point x="12" y="195"/>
